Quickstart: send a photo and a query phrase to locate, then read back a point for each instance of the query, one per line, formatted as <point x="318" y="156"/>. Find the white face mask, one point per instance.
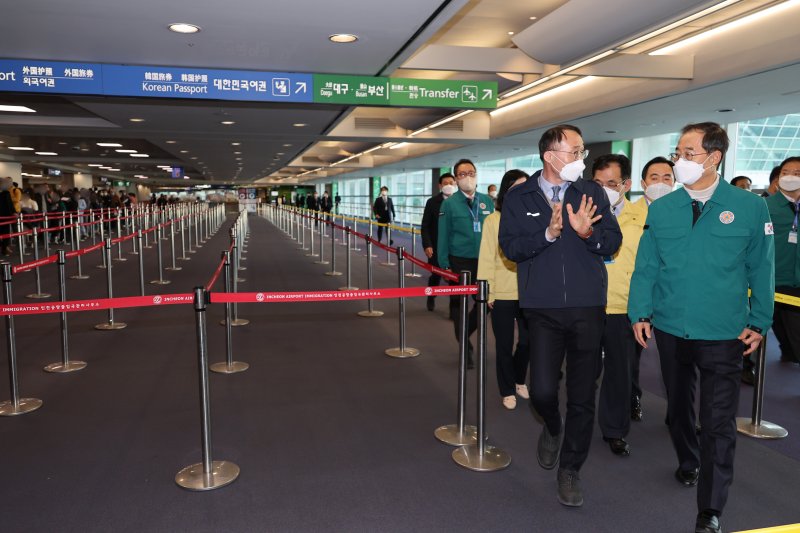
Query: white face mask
<point x="493" y="195"/>
<point x="385" y="194"/>
<point x="572" y="171"/>
<point x="468" y="184"/>
<point x="447" y="190"/>
<point x="614" y="196"/>
<point x="688" y="172"/>
<point x="789" y="183"/>
<point x="656" y="191"/>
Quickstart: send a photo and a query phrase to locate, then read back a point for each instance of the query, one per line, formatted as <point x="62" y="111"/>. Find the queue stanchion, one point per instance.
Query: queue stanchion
<point x="370" y="233"/>
<point x="197" y="242"/>
<point x="141" y="262"/>
<point x="16" y="405"/>
<point x="174" y="267"/>
<point x="237" y="256"/>
<point x="21" y="239"/>
<point x="160" y="280"/>
<point x="236" y="279"/>
<point x="183" y="240"/>
<point x="345" y="227"/>
<point x="91" y="225"/>
<point x="460" y="434"/>
<point x="38" y="294"/>
<point x="302" y="222"/>
<point x="333" y="271"/>
<point x="45" y="227"/>
<point x="321" y="260"/>
<point x="349" y="286"/>
<point x="402" y="351"/>
<point x="355" y="230"/>
<point x="103" y="265"/>
<point x="65" y="365"/>
<point x="208" y="474"/>
<point x="388" y="261"/>
<point x="413" y="273"/>
<point x="119" y="238"/>
<point x="369" y="312"/>
<point x="311" y="252"/>
<point x="229" y="366"/>
<point x="110" y="324"/>
<point x="479" y="456"/>
<point x="755" y="426"/>
<point x="76" y="247"/>
<point x="132" y="231"/>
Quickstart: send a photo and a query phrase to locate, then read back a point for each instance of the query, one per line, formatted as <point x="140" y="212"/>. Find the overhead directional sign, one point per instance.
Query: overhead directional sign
<point x="32" y="76"/>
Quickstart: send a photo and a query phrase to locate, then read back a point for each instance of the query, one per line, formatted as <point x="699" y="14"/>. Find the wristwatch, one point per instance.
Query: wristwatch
<point x="588" y="234"/>
<point x="754" y="328"/>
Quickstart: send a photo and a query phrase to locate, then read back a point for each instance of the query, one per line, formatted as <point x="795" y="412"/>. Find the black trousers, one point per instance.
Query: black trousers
<point x="458" y="265"/>
<point x="381" y="228"/>
<point x="636" y="389"/>
<point x="786" y="325"/>
<point x="614" y="406"/>
<point x="512" y="365"/>
<point x="575" y="332"/>
<point x="720" y="365"/>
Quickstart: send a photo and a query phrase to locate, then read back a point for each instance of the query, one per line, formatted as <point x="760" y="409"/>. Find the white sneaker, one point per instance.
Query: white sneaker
<point x="509" y="402"/>
<point x="522" y="391"/>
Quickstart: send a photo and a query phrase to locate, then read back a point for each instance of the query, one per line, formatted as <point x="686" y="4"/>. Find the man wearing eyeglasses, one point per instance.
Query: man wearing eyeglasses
<point x="460" y="229"/>
<point x="557" y="227"/>
<point x="702" y="248"/>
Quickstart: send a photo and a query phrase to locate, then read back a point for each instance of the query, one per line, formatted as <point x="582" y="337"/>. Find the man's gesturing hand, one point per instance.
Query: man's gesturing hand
<point x="583" y="219"/>
<point x="554" y="229"/>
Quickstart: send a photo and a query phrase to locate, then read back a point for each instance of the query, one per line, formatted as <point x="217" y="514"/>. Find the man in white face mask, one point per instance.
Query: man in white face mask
<point x="557" y="228"/>
<point x="429" y="230"/>
<point x="784" y="209"/>
<point x="702" y="248"/>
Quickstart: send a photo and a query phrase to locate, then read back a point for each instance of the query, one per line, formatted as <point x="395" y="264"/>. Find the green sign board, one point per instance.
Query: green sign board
<point x="404" y="92"/>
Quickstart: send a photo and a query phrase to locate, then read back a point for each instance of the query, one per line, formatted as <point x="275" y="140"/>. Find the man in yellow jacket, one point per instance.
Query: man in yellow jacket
<point x="620" y="395"/>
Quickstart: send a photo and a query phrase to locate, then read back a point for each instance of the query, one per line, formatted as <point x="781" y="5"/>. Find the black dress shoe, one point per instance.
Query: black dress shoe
<point x="688" y="478"/>
<point x="636" y="408"/>
<point x="431" y="303"/>
<point x="707" y="522"/>
<point x="619" y="447"/>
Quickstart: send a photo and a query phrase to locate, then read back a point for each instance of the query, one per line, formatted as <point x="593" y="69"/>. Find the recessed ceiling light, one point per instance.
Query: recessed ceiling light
<point x="95" y="165"/>
<point x="110" y="145"/>
<point x="17" y="109"/>
<point x="136" y="119"/>
<point x="20" y="148"/>
<point x="343" y="38"/>
<point x="237" y="153"/>
<point x="114" y="170"/>
<point x="184" y="151"/>
<point x="279" y="153"/>
<point x="227" y="122"/>
<point x="126" y="151"/>
<point x="533" y="18"/>
<point x="287" y="145"/>
<point x="46" y="153"/>
<point x="299" y="124"/>
<point x="235" y="144"/>
<point x="183" y="27"/>
<point x="139" y="155"/>
<point x="84" y="149"/>
<point x="171" y="142"/>
<point x="511" y="33"/>
<point x="195" y="157"/>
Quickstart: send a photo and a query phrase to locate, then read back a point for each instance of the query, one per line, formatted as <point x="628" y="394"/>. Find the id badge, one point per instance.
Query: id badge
<point x="476" y="227"/>
<point x="792" y="237"/>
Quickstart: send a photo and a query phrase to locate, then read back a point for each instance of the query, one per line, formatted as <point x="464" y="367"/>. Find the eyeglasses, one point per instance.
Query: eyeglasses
<point x="790" y="172"/>
<point x="577" y="154"/>
<point x="470" y="174"/>
<point x="688" y="156"/>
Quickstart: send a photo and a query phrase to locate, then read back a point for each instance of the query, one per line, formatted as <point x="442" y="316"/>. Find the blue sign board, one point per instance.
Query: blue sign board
<point x="32" y="76"/>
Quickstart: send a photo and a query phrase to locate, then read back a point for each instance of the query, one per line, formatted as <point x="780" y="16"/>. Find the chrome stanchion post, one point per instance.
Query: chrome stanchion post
<point x="65" y="365"/>
<point x="91" y="225"/>
<point x="311" y="252"/>
<point x="209" y="474"/>
<point x="302" y="222"/>
<point x="755" y="426"/>
<point x="322" y="234"/>
<point x="349" y="286"/>
<point x="236" y="279"/>
<point x="148" y="214"/>
<point x="119" y="237"/>
<point x="369" y="312"/>
<point x="76" y="246"/>
<point x="229" y="366"/>
<point x="38" y="294"/>
<point x="413" y="273"/>
<point x="459" y="434"/>
<point x="333" y="271"/>
<point x="389" y="243"/>
<point x="197" y="242"/>
<point x="110" y="324"/>
<point x="402" y="351"/>
<point x="160" y="280"/>
<point x="103" y="239"/>
<point x="132" y="230"/>
<point x="183" y="241"/>
<point x="480" y="457"/>
<point x="21" y="238"/>
<point x="172" y="246"/>
<point x="355" y="230"/>
<point x="16" y="405"/>
<point x="141" y="262"/>
<point x="46" y="236"/>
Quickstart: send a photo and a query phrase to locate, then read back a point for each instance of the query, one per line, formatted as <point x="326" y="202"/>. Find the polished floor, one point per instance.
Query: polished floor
<point x="330" y="434"/>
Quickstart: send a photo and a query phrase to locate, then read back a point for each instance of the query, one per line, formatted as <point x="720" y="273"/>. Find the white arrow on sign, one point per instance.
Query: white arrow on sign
<point x="487" y="94"/>
<point x="301" y="87"/>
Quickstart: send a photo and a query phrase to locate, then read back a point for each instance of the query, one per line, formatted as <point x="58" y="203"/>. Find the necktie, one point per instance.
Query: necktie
<point x="697" y="208"/>
<point x="556" y="189"/>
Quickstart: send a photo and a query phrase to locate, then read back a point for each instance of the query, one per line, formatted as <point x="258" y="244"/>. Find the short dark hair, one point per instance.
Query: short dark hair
<point x="508" y="180"/>
<point x="606" y="160"/>
<point x="462" y="162"/>
<point x="655" y="161"/>
<point x="715" y="138"/>
<point x="776" y="172"/>
<point x="444" y="176"/>
<point x="555" y="135"/>
<point x="735" y="181"/>
<point x="793" y="159"/>
<point x="385" y="188"/>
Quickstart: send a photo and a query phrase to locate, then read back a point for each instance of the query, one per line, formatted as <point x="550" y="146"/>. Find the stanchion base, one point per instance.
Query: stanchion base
<point x="82" y="276"/>
<point x="414" y="275"/>
<point x="348" y="288"/>
<point x="134" y="253"/>
<point x="765" y="430"/>
<point x="25" y="405"/>
<point x="120" y="259"/>
<point x="402" y="353"/>
<point x="368" y="313"/>
<point x="192" y="251"/>
<point x="236" y="322"/>
<point x="388" y="264"/>
<point x="61" y="368"/>
<point x="184" y="259"/>
<point x="333" y="273"/>
<point x="160" y="282"/>
<point x="449" y="434"/>
<point x="239" y="280"/>
<point x="323" y="262"/>
<point x="173" y="268"/>
<point x="111" y="325"/>
<point x="311" y="255"/>
<point x="101" y="267"/>
<point x="491" y="460"/>
<point x="193" y="478"/>
<point x="225" y="368"/>
<point x="38" y="295"/>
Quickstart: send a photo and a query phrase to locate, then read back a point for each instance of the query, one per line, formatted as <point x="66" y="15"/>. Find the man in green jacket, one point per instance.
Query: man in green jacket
<point x="784" y="210"/>
<point x="702" y="248"/>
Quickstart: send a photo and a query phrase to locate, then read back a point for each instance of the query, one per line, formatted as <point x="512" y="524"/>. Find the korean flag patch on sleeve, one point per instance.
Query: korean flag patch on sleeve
<point x="768" y="229"/>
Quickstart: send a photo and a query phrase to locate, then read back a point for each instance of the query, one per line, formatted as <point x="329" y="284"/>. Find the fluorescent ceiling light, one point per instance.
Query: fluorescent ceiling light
<point x="46" y="153"/>
<point x="21" y="148"/>
<point x="299" y="124"/>
<point x="183" y="27"/>
<point x="445" y="120"/>
<point x="110" y="145"/>
<point x="227" y="122"/>
<point x="136" y="119"/>
<point x="95" y="165"/>
<point x="738" y="23"/>
<point x="139" y="155"/>
<point x="126" y="151"/>
<point x="171" y="142"/>
<point x="16" y="109"/>
<point x="398" y="145"/>
<point x="343" y="38"/>
<point x="550" y="92"/>
<point x="557" y="73"/>
<point x="235" y="144"/>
